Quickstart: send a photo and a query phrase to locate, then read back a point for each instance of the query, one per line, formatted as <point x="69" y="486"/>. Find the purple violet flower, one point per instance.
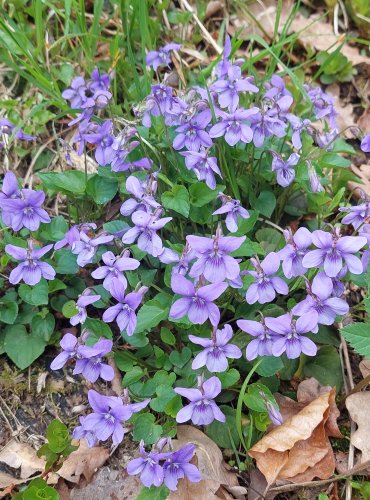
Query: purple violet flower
<point x="86" y="247"/>
<point x="30" y="269"/>
<point x="315" y="183"/>
<point x="365" y="144"/>
<point x="114" y="267"/>
<point x="203" y="166"/>
<point x="291" y="332"/>
<point x="228" y="89"/>
<point x="69" y="344"/>
<point x="197" y="302"/>
<point x="298" y="127"/>
<point x="261" y="344"/>
<point x="80" y="433"/>
<point x="8" y="128"/>
<point x="103" y="138"/>
<point x="213" y="259"/>
<point x="292" y="254"/>
<point x="265" y="123"/>
<point x="233" y="210"/>
<point x="276" y="88"/>
<point x="266" y="286"/>
<point x="274" y="414"/>
<point x="365" y="233"/>
<point x="217" y="350"/>
<point x="326" y="140"/>
<point x="323" y="104"/>
<point x="201" y="410"/>
<point x="285" y="174"/>
<point x="145" y="231"/>
<point x="332" y="249"/>
<point x="124" y="311"/>
<point x="89" y="361"/>
<point x="107" y="417"/>
<point x="233" y="126"/>
<point x="147" y="465"/>
<point x="320" y="301"/>
<point x="187" y="256"/>
<point x="84" y="300"/>
<point x="73" y="234"/>
<point x="192" y="135"/>
<point x="358" y="214"/>
<point x="143" y="192"/>
<point x="161" y="57"/>
<point x="25" y="211"/>
<point x="177" y="466"/>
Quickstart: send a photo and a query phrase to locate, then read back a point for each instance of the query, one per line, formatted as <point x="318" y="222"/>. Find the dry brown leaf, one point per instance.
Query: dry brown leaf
<point x="83" y="462"/>
<point x="217" y="480"/>
<point x="299" y="449"/>
<point x="363" y="173"/>
<point x="364" y="367"/>
<point x="345" y="117"/>
<point x="21" y="455"/>
<point x="358" y="406"/>
<point x="213" y="7"/>
<point x="364" y="121"/>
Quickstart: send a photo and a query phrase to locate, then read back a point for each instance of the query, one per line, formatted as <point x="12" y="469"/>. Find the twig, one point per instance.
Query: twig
<point x="357" y="470"/>
<point x="202" y="28"/>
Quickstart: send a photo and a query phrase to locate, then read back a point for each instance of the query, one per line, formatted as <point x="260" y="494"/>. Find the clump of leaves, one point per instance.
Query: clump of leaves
<point x="335" y="67"/>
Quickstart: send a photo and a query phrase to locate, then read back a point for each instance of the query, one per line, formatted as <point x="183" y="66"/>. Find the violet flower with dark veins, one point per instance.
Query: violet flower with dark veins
<point x="192" y="135"/>
<point x="213" y="259"/>
<point x="30" y="269"/>
<point x="124" y="311"/>
<point x="143" y="192"/>
<point x="291" y="339"/>
<point x="216" y="350"/>
<point x="203" y="166"/>
<point x="233" y="212"/>
<point x="145" y="231"/>
<point x="266" y="286"/>
<point x="357" y="214"/>
<point x="319" y="300"/>
<point x="86" y="247"/>
<point x="233" y="126"/>
<point x="292" y="254"/>
<point x="69" y="344"/>
<point x="332" y="250"/>
<point x="285" y="173"/>
<point x="197" y="302"/>
<point x="26" y="210"/>
<point x="161" y="57"/>
<point x="202" y="410"/>
<point x="89" y="361"/>
<point x="177" y="466"/>
<point x="264" y="337"/>
<point x="147" y="465"/>
<point x="114" y="267"/>
<point x="84" y="300"/>
<point x="229" y="88"/>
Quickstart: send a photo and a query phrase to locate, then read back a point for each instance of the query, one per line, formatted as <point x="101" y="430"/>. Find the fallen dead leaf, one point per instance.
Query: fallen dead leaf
<point x="345" y="117"/>
<point x="213" y="7"/>
<point x="364" y="121"/>
<point x="21" y="455"/>
<point x="218" y="482"/>
<point x="299" y="449"/>
<point x="363" y="173"/>
<point x="358" y="406"/>
<point x="83" y="462"/>
<point x="364" y="367"/>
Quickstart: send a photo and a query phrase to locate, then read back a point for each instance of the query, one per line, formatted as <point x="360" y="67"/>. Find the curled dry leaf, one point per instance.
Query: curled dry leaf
<point x="20" y="455"/>
<point x="84" y="461"/>
<point x="218" y="482"/>
<point x="358" y="406"/>
<point x="299" y="450"/>
<point x="364" y="367"/>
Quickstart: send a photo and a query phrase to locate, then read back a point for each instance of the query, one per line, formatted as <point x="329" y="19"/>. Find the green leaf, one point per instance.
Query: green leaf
<point x="43" y="327"/>
<point x="55" y="285"/>
<point x="177" y="199"/>
<point x="134" y="375"/>
<point x="57" y="436"/>
<point x="265" y="203"/>
<point x="330" y="160"/>
<point x="146" y="429"/>
<point x="153" y="493"/>
<point x="325" y="367"/>
<point x="167" y="336"/>
<point x="101" y="189"/>
<point x="54" y="231"/>
<point x="254" y="400"/>
<point x="69" y="309"/>
<point x="21" y="347"/>
<point x="229" y="378"/>
<point x="180" y="359"/>
<point x="358" y="336"/>
<point x="71" y="181"/>
<point x="201" y="194"/>
<point x="153" y="312"/>
<point x="66" y="262"/>
<point x="220" y="432"/>
<point x="36" y="295"/>
<point x="165" y="394"/>
<point x="8" y="311"/>
<point x="269" y="366"/>
<point x="98" y="328"/>
<point x="38" y="489"/>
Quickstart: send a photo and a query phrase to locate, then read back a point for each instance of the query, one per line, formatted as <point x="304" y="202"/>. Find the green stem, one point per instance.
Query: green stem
<point x="240" y="404"/>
